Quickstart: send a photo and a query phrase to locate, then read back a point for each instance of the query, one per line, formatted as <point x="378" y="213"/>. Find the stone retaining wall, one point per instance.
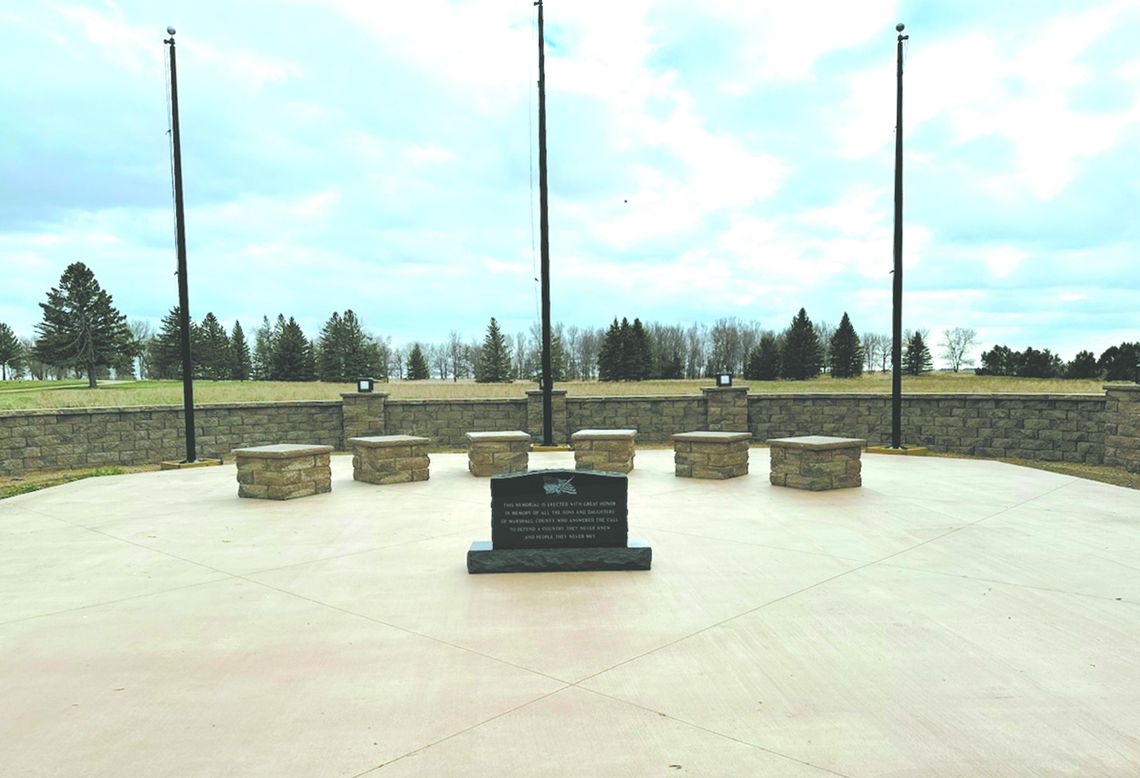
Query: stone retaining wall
<point x="654" y="418"/>
<point x="95" y="437"/>
<point x="447" y="421"/>
<point x="1092" y="429"/>
<point x="1049" y="427"/>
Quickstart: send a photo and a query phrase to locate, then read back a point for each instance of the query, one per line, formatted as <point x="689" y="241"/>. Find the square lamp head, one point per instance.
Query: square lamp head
<point x="364" y="385"/>
<point x="724" y="379"/>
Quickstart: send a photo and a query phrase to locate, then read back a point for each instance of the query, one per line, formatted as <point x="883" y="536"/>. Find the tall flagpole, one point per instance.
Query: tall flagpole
<point x="183" y="287"/>
<point x="896" y="349"/>
<point x="544" y="242"/>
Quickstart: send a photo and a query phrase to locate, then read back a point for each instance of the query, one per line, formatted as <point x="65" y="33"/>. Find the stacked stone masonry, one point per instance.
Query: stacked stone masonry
<point x="656" y="419"/>
<point x="1090" y="429"/>
<point x="447" y="422"/>
<point x="558" y="416"/>
<point x="607" y="450"/>
<point x="283" y="471"/>
<point x="710" y="454"/>
<point x="1122" y="428"/>
<point x="494" y="453"/>
<point x="816" y="462"/>
<point x="1049" y="427"/>
<point x="390" y="459"/>
<point x="727" y="408"/>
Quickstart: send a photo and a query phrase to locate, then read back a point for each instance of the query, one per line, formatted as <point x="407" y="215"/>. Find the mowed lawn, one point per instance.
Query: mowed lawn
<point x="26" y="395"/>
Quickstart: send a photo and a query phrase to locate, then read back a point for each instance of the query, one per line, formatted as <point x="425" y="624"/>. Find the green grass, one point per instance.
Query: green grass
<point x="28" y="395"/>
<point x="30" y="482"/>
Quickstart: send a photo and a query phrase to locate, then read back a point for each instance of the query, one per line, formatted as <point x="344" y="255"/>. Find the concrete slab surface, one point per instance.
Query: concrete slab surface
<point x="950" y="617"/>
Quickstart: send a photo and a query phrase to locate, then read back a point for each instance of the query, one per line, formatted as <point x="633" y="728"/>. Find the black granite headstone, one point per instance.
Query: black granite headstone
<point x="559" y="509"/>
<point x="559" y="520"/>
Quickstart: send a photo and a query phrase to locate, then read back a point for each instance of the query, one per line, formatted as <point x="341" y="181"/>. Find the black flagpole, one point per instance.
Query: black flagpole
<point x="896" y="350"/>
<point x="544" y="242"/>
<point x="183" y="289"/>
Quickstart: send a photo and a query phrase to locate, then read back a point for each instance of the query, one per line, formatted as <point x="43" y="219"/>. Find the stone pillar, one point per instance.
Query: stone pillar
<point x="363" y="415"/>
<point x="560" y="425"/>
<point x="727" y="408"/>
<point x="1122" y="426"/>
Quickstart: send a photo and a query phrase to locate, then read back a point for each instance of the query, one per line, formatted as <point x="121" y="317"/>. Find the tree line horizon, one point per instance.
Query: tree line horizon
<point x="82" y="334"/>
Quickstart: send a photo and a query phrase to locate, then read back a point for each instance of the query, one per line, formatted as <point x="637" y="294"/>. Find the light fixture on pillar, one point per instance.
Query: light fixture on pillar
<point x="724" y="379"/>
<point x="364" y="385"/>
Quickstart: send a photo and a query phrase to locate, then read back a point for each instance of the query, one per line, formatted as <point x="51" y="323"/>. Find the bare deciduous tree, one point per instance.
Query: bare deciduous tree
<point x="956" y="344"/>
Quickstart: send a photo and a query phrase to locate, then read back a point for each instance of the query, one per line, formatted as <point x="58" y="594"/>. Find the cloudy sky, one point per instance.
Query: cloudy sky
<point x="711" y="159"/>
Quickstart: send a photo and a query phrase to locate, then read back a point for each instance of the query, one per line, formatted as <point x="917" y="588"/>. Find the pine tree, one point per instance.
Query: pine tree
<point x="212" y="359"/>
<point x="240" y="362"/>
<point x="11" y="352"/>
<point x="916" y="357"/>
<point x="845" y="353"/>
<point x="1082" y="366"/>
<point x="262" y="350"/>
<point x="1119" y="363"/>
<point x="609" y="355"/>
<point x="494" y="362"/>
<point x="330" y="357"/>
<point x="800" y="358"/>
<point x="81" y="327"/>
<point x="641" y="359"/>
<point x="292" y="356"/>
<point x="417" y="365"/>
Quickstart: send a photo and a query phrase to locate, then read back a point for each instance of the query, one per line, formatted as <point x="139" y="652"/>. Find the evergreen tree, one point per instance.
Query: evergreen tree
<point x="262" y="350"/>
<point x="800" y="358"/>
<point x="11" y="353"/>
<point x="240" y="362"/>
<point x="1119" y="363"/>
<point x="81" y="328"/>
<point x="212" y="359"/>
<point x="494" y="362"/>
<point x="916" y="357"/>
<point x="417" y="365"/>
<point x="846" y="353"/>
<point x="1082" y="366"/>
<point x="764" y="361"/>
<point x="997" y="361"/>
<point x="609" y="355"/>
<point x="641" y="358"/>
<point x="292" y="356"/>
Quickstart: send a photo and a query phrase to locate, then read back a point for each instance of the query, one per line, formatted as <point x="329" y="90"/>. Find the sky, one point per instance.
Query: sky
<point x="706" y="160"/>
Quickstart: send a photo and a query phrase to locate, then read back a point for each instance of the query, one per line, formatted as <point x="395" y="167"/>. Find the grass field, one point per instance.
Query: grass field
<point x="27" y="395"/>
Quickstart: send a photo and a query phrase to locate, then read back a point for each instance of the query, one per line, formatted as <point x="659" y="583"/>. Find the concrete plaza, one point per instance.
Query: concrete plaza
<point x="950" y="617"/>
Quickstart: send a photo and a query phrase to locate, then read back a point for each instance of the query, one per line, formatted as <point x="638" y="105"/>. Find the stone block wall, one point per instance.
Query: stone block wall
<point x="558" y="420"/>
<point x="447" y="421"/>
<point x="654" y="418"/>
<point x="1122" y="427"/>
<point x="1091" y="429"/>
<point x="97" y="437"/>
<point x="727" y="408"/>
<point x="1048" y="427"/>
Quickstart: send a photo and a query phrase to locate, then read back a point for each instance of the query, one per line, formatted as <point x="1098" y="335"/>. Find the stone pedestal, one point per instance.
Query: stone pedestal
<point x="558" y="419"/>
<point x="389" y="459"/>
<point x="492" y="453"/>
<point x="283" y="471"/>
<point x="711" y="454"/>
<point x="727" y="408"/>
<point x="606" y="450"/>
<point x="1122" y="426"/>
<point x="363" y="414"/>
<point x="816" y="462"/>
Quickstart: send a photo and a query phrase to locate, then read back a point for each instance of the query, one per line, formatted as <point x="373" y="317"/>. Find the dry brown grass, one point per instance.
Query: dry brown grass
<point x="16" y="395"/>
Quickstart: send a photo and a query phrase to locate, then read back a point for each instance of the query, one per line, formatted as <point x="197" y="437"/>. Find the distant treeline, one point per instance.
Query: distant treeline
<point x="1116" y="363"/>
<point x="83" y="334"/>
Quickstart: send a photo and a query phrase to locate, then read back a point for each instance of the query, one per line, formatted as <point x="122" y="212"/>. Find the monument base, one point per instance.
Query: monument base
<point x="183" y="465"/>
<point x="481" y="558"/>
<point x="903" y="451"/>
